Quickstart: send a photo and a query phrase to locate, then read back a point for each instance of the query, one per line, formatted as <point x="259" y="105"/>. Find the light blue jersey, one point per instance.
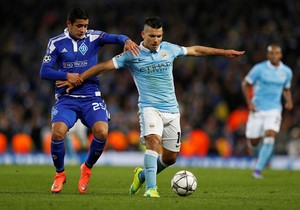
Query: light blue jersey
<point x="153" y="75"/>
<point x="269" y="82"/>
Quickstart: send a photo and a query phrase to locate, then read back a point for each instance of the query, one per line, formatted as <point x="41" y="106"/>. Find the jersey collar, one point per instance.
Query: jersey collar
<point x="147" y="50"/>
<point x="274" y="67"/>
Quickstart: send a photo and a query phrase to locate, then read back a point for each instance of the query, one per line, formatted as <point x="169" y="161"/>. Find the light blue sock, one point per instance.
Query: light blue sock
<point x="160" y="167"/>
<point x="265" y="153"/>
<point x="150" y="168"/>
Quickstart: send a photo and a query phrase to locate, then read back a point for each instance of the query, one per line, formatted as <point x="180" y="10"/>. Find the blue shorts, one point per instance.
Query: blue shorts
<point x="89" y="110"/>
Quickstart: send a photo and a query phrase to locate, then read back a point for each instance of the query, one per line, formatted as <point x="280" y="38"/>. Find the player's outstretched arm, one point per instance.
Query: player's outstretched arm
<point x="93" y="71"/>
<point x="205" y="51"/>
<point x="98" y="69"/>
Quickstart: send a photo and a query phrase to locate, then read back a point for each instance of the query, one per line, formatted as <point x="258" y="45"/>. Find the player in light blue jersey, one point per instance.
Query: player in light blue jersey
<point x="159" y="114"/>
<point x="68" y="55"/>
<point x="270" y="80"/>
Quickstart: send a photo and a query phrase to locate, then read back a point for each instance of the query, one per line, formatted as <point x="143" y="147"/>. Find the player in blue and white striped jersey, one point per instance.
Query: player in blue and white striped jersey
<point x="68" y="55"/>
<point x="270" y="80"/>
<point x="159" y="113"/>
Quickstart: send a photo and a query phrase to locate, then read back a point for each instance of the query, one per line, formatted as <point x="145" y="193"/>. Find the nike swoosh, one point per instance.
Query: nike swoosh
<point x="177" y="145"/>
<point x="84" y="187"/>
<point x="140" y="59"/>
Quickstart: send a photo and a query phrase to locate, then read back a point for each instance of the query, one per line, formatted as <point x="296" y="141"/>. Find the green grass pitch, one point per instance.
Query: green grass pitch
<point x="28" y="187"/>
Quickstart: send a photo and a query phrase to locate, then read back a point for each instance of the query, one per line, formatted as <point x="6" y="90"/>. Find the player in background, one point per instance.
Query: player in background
<point x="68" y="55"/>
<point x="270" y="79"/>
<point x="158" y="108"/>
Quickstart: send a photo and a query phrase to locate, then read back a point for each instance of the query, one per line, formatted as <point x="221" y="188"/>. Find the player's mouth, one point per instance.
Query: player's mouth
<point x="155" y="46"/>
<point x="81" y="35"/>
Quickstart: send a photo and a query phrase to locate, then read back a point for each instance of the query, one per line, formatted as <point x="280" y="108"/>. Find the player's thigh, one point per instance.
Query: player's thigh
<point x="272" y="120"/>
<point x="254" y="125"/>
<point x="64" y="111"/>
<point x="94" y="110"/>
<point x="171" y="138"/>
<point x="150" y="123"/>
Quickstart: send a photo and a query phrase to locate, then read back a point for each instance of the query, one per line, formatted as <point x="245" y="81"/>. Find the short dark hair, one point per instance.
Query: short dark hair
<point x="77" y="13"/>
<point x="153" y="22"/>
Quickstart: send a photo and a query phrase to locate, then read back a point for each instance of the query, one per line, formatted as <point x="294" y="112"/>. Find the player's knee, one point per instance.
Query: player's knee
<point x="100" y="133"/>
<point x="169" y="160"/>
<point x="58" y="134"/>
<point x="100" y="130"/>
<point x="153" y="142"/>
<point x="255" y="142"/>
<point x="270" y="133"/>
<point x="59" y="130"/>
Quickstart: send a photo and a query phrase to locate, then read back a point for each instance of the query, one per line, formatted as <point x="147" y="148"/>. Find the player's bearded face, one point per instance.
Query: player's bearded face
<point x="78" y="28"/>
<point x="152" y="37"/>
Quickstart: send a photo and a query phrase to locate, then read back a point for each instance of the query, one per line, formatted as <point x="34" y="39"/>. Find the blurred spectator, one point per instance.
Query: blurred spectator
<point x="293" y="145"/>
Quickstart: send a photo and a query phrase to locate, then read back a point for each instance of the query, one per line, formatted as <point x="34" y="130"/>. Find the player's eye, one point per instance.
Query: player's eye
<point x="82" y="25"/>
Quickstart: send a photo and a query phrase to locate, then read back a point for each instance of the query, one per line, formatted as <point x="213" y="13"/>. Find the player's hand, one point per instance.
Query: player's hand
<point x="65" y="83"/>
<point x="74" y="79"/>
<point x="233" y="53"/>
<point x="132" y="47"/>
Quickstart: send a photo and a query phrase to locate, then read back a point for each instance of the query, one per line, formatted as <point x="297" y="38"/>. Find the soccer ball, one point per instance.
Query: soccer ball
<point x="184" y="183"/>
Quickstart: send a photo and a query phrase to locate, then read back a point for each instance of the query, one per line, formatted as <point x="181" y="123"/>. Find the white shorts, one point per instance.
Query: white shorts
<point x="259" y="122"/>
<point x="166" y="125"/>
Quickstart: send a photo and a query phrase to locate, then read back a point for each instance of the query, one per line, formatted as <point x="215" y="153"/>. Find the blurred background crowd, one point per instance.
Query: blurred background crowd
<point x="208" y="88"/>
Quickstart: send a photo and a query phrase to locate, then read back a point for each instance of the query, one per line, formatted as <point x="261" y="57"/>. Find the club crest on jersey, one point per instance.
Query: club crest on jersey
<point x="47" y="59"/>
<point x="163" y="54"/>
<point x="282" y="76"/>
<point x="83" y="48"/>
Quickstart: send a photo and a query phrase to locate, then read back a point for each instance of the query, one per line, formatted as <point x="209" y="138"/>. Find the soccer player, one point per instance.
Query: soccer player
<point x="68" y="55"/>
<point x="270" y="79"/>
<point x="158" y="108"/>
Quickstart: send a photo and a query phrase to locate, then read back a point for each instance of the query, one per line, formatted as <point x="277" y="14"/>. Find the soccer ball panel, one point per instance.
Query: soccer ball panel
<point x="184" y="183"/>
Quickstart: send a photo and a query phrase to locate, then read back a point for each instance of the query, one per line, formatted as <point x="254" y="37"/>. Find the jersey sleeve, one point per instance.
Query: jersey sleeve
<point x="289" y="78"/>
<point x="47" y="70"/>
<point x="106" y="38"/>
<point x="122" y="60"/>
<point x="253" y="75"/>
<point x="178" y="51"/>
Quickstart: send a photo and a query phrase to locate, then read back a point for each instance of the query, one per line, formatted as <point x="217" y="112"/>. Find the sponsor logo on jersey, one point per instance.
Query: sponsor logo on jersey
<point x="156" y="67"/>
<point x="74" y="64"/>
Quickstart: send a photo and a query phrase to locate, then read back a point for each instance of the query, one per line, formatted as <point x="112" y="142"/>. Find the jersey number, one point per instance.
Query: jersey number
<point x="97" y="106"/>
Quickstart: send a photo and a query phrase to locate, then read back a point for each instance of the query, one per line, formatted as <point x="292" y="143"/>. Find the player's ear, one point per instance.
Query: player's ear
<point x="68" y="23"/>
<point x="143" y="34"/>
